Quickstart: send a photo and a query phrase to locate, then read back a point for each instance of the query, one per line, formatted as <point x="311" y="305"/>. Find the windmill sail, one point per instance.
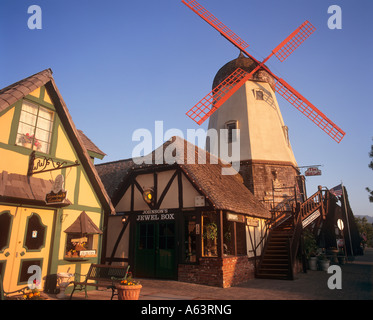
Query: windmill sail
<point x="215" y="23"/>
<point x="211" y="102"/>
<point x="293" y="41"/>
<point x="309" y="110"/>
<point x="220" y="94"/>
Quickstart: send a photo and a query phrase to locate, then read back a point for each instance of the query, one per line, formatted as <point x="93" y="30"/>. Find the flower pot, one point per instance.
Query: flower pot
<point x="341" y="259"/>
<point x="128" y="292"/>
<point x="312" y="263"/>
<point x="324" y="265"/>
<point x="27" y="145"/>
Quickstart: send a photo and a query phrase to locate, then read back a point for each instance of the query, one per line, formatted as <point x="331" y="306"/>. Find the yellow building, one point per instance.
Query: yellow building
<point x="53" y="206"/>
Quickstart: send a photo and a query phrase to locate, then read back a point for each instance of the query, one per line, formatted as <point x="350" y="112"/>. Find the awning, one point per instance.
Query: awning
<point x="21" y="188"/>
<point x="84" y="225"/>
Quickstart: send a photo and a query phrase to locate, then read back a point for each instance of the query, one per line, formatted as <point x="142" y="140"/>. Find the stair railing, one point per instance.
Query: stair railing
<point x="293" y="243"/>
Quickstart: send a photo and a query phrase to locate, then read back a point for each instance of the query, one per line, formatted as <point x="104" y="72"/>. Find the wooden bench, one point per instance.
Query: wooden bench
<point x="104" y="276"/>
<point x="4" y="294"/>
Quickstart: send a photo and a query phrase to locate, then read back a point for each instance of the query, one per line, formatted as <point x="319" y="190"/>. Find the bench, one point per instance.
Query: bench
<point x="4" y="294"/>
<point x="104" y="276"/>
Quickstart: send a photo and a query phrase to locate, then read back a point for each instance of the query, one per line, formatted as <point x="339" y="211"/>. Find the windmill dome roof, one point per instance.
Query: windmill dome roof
<point x="246" y="64"/>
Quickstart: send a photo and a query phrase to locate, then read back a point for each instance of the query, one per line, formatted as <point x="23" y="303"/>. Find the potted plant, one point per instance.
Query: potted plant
<point x="341" y="257"/>
<point x="128" y="289"/>
<point x="210" y="235"/>
<point x="312" y="261"/>
<point x="310" y="249"/>
<point x="28" y="141"/>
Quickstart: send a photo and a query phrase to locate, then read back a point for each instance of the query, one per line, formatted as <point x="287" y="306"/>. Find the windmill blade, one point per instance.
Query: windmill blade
<point x="293" y="41"/>
<point x="309" y="110"/>
<point x="217" y="24"/>
<point x="220" y="94"/>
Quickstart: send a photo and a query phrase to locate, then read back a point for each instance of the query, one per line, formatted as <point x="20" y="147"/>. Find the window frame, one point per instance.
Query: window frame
<point x="230" y="137"/>
<point x="36" y="127"/>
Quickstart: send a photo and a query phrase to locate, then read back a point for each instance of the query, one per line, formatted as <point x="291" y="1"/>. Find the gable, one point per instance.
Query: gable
<point x="165" y="184"/>
<point x="33" y="117"/>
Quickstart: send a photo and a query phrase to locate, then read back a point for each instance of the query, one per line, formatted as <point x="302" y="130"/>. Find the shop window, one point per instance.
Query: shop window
<point x="5" y="225"/>
<point x="241" y="238"/>
<point x="190" y="248"/>
<point x="209" y="235"/>
<point x="234" y="233"/>
<point x="81" y="247"/>
<point x="82" y="238"/>
<point x="228" y="237"/>
<point x="35" y="127"/>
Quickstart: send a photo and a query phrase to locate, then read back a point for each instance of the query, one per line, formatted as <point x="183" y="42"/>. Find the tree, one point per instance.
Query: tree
<point x="365" y="228"/>
<point x="370" y="166"/>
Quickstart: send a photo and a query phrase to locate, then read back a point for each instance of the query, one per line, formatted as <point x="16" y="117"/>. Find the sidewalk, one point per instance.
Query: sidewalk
<point x="357" y="284"/>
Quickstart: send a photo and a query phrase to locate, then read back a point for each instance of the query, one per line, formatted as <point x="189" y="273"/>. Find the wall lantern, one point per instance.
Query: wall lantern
<point x="148" y="195"/>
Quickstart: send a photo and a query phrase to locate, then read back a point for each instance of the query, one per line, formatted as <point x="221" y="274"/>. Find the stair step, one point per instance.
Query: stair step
<point x="273" y="271"/>
<point x="272" y="276"/>
<point x="275" y="268"/>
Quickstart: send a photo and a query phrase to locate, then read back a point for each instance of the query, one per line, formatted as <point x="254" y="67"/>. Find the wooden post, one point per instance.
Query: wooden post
<point x="220" y="234"/>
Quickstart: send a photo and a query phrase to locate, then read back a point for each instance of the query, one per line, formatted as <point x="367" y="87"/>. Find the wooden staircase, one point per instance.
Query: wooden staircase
<point x="275" y="262"/>
<point x="280" y="250"/>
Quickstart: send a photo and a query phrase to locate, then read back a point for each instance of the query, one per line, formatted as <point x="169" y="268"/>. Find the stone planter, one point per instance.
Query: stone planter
<point x="312" y="263"/>
<point x="128" y="292"/>
<point x="324" y="264"/>
<point x="341" y="260"/>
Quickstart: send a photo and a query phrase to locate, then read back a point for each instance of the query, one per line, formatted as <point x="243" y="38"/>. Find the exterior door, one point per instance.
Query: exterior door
<point x="165" y="251"/>
<point x="155" y="254"/>
<point x="24" y="242"/>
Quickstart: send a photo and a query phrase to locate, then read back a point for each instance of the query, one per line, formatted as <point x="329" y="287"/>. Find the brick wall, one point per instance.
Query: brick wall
<point x="259" y="176"/>
<point x="219" y="272"/>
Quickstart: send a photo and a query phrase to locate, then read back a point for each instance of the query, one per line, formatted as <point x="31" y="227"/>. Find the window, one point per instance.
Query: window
<point x="209" y="235"/>
<point x="259" y="95"/>
<point x="78" y="246"/>
<point x="35" y="127"/>
<point x="190" y="239"/>
<point x="231" y="126"/>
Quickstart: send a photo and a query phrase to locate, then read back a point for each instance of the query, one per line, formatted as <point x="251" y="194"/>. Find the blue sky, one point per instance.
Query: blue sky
<point x="122" y="65"/>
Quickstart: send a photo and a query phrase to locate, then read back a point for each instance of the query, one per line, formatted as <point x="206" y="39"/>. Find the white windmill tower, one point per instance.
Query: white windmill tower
<point x="243" y="97"/>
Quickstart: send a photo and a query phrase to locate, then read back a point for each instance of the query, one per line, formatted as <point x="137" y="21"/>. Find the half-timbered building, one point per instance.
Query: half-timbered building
<point x="178" y="218"/>
<point x="53" y="205"/>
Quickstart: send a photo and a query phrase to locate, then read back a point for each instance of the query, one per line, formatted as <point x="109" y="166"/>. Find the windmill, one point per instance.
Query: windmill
<point x="222" y="92"/>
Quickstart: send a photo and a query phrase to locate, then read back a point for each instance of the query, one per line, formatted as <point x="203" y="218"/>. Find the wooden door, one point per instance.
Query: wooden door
<point x="29" y="234"/>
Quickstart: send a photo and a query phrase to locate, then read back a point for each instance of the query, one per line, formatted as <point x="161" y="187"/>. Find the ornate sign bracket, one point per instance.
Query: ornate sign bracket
<point x="39" y="164"/>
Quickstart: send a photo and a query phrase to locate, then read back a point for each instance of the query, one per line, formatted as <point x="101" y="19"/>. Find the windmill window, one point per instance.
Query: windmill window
<point x="35" y="127"/>
<point x="231" y="126"/>
<point x="259" y="95"/>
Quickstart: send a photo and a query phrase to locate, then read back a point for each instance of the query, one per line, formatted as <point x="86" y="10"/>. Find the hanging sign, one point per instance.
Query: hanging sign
<point x="235" y="217"/>
<point x="55" y="198"/>
<point x="57" y="194"/>
<point x="313" y="171"/>
<point x="252" y="222"/>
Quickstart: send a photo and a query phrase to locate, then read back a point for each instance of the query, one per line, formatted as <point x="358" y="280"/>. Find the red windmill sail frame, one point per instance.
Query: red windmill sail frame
<point x="211" y="102"/>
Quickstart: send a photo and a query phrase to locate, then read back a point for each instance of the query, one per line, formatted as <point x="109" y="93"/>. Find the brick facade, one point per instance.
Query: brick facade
<point x="219" y="272"/>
